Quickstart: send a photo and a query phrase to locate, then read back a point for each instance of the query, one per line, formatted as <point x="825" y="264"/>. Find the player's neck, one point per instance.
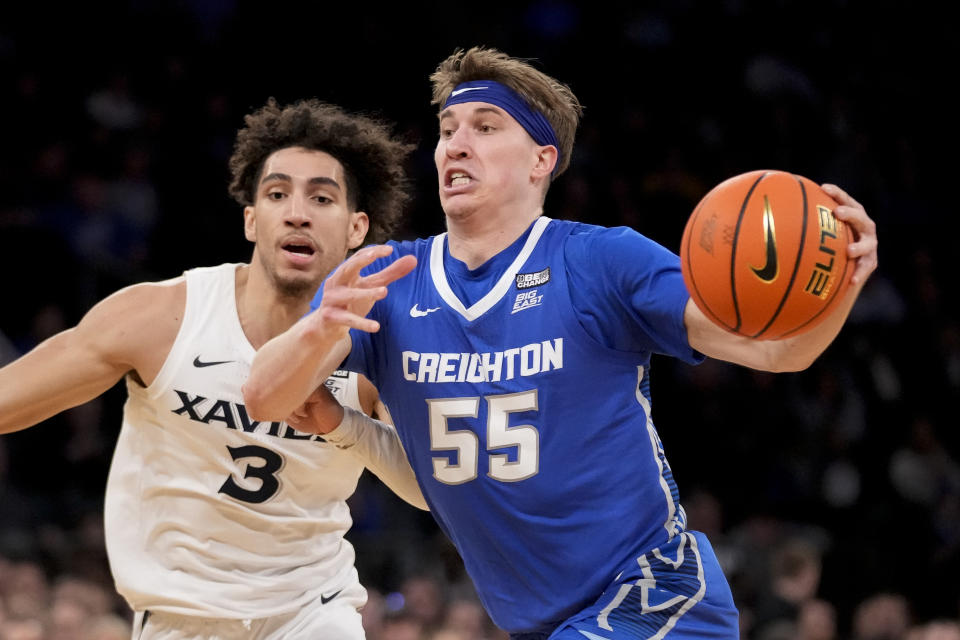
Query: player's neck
<point x="476" y="237"/>
<point x="264" y="313"/>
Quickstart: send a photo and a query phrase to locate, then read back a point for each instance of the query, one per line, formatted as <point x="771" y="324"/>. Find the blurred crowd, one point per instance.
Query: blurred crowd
<point x="832" y="496"/>
<point x="34" y="606"/>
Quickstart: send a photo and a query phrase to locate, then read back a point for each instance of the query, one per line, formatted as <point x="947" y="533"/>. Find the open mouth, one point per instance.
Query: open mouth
<point x="457" y="178"/>
<point x="299" y="246"/>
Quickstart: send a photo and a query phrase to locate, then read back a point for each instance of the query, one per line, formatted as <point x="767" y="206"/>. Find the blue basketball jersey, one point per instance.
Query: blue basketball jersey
<point x="520" y="391"/>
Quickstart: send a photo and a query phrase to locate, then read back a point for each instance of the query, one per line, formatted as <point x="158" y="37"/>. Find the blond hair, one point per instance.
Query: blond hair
<point x="547" y="95"/>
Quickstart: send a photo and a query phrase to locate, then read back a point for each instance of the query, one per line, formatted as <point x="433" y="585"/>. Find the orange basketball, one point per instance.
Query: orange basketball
<point x="763" y="255"/>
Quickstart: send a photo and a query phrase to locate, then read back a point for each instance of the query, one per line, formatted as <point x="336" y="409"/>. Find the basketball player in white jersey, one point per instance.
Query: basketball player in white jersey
<point x="219" y="526"/>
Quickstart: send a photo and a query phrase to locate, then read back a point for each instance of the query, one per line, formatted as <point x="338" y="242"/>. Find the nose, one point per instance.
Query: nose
<point x="296" y="214"/>
<point x="458" y="144"/>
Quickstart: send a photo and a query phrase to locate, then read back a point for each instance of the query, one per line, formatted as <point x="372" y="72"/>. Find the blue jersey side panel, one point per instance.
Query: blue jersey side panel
<point x="528" y="434"/>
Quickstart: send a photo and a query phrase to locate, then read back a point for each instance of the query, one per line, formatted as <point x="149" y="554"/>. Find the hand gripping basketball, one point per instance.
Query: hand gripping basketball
<point x="765" y="255"/>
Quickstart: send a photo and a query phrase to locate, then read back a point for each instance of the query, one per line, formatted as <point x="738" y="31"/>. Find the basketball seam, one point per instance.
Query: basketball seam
<point x="696" y="290"/>
<point x="833" y="296"/>
<point x="733" y="251"/>
<point x="796" y="263"/>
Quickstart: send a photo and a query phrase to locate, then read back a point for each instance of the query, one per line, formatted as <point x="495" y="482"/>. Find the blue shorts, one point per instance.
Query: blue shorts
<point x="676" y="592"/>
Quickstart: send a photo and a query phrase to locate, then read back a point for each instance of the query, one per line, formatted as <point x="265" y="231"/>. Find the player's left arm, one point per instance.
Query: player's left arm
<point x="374" y="442"/>
<point x="287" y="369"/>
<point x="799" y="352"/>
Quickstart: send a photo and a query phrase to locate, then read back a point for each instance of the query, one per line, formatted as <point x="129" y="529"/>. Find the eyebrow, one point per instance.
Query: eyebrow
<point x="317" y="180"/>
<point x="448" y="113"/>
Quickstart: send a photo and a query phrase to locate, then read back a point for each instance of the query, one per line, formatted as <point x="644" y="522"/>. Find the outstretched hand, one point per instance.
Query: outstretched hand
<point x="349" y="296"/>
<point x="864" y="247"/>
<point x="320" y="413"/>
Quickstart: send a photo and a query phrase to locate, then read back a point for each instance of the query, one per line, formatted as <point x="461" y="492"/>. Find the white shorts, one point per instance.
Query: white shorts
<point x="336" y="618"/>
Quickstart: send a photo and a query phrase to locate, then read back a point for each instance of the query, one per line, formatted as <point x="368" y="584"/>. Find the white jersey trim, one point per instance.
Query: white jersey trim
<point x="671" y="525"/>
<point x="197" y="304"/>
<point x="503" y="284"/>
<point x="649" y="582"/>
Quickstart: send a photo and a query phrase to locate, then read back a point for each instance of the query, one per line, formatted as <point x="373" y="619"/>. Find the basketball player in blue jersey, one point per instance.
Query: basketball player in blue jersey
<point x="514" y="358"/>
<point x="219" y="525"/>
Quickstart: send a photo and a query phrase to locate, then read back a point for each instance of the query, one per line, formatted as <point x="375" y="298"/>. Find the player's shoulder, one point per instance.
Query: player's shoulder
<point x="146" y="297"/>
<point x="585" y="232"/>
<point x="419" y="248"/>
<point x="136" y="320"/>
<point x="416" y="247"/>
<point x="611" y="243"/>
<point x="140" y="309"/>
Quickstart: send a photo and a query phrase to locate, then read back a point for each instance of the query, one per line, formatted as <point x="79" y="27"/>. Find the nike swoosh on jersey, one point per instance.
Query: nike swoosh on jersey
<point x="199" y="363"/>
<point x="769" y="271"/>
<point x="325" y="599"/>
<point x="417" y="313"/>
<point x="464" y="90"/>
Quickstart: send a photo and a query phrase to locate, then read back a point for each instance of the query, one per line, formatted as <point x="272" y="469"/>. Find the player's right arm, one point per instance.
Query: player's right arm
<point x="289" y="367"/>
<point x="131" y="330"/>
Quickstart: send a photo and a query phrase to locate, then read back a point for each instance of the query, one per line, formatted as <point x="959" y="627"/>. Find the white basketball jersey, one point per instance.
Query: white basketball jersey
<point x="208" y="512"/>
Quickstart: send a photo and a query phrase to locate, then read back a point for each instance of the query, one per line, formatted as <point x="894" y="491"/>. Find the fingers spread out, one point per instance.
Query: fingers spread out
<point x="346" y="318"/>
<point x="393" y="272"/>
<point x="342" y="296"/>
<point x="348" y="296"/>
<point x="349" y="270"/>
<point x="348" y="273"/>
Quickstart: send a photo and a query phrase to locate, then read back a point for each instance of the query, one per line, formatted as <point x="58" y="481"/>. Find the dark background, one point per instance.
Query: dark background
<point x="117" y="122"/>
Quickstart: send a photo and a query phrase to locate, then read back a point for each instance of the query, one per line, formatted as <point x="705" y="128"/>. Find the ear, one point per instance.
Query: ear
<point x="546" y="160"/>
<point x="250" y="224"/>
<point x="359" y="225"/>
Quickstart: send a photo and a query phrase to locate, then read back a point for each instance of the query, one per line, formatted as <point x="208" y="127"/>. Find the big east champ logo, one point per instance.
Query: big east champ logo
<point x="527" y="299"/>
<point x="530" y="280"/>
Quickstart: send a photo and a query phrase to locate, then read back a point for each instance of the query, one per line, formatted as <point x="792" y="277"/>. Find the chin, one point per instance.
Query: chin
<point x="457" y="207"/>
<point x="297" y="284"/>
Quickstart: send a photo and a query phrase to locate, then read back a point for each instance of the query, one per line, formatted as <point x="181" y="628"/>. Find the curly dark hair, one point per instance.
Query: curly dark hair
<point x="371" y="157"/>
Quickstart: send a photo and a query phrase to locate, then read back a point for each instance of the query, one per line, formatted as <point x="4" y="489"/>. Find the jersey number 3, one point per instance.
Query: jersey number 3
<point x="265" y="473"/>
<point x="500" y="435"/>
